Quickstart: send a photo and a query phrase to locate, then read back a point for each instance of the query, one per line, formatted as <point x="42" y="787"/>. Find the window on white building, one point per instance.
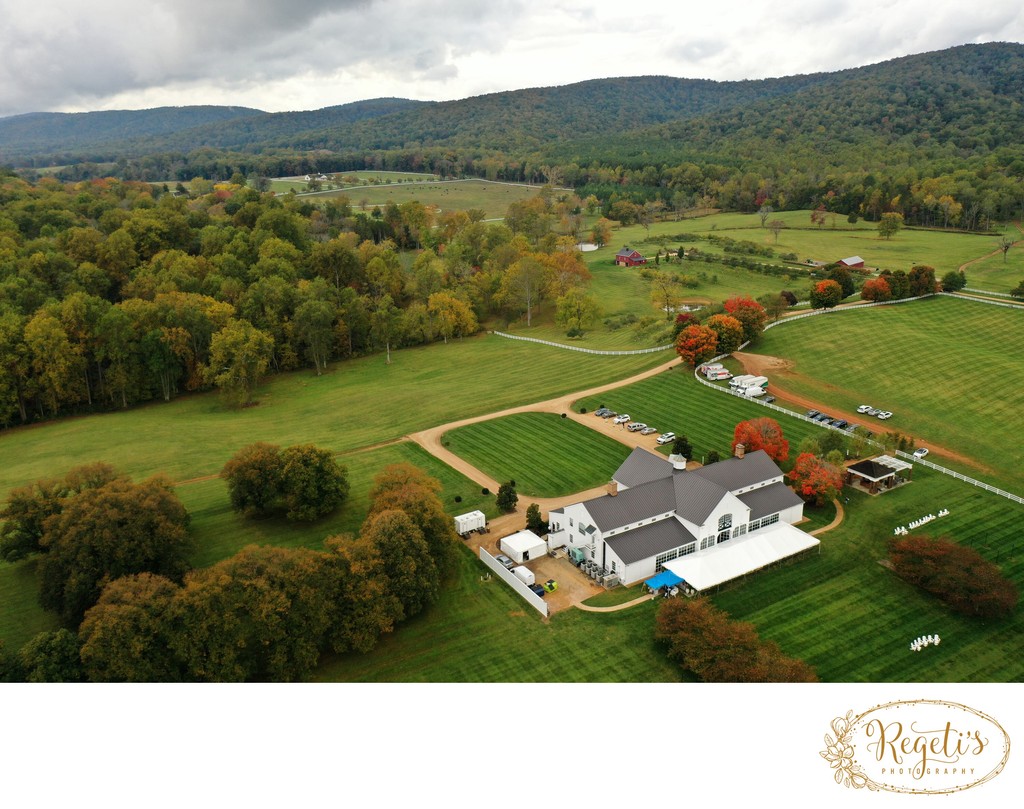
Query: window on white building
<point x="774" y="518"/>
<point x="725" y="521"/>
<point x="706" y="543"/>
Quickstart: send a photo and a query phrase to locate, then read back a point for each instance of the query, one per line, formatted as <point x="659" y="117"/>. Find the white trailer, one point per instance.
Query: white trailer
<point x="720" y="374"/>
<point x="753" y="391"/>
<point x="760" y="381"/>
<point x="707" y="368"/>
<point x="470" y="522"/>
<point x="740" y="381"/>
<point x="525" y="575"/>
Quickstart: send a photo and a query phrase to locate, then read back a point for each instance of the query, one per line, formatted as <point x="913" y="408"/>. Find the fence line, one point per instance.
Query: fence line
<point x="981" y="300"/>
<point x="847" y="308"/>
<point x="988" y="292"/>
<point x="580" y="348"/>
<point x="910" y="457"/>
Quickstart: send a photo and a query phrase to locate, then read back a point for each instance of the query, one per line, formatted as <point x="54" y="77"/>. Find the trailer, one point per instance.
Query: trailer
<point x="525" y="575"/>
<point x="753" y="391"/>
<point x="760" y="381"/>
<point x="717" y="376"/>
<point x="466" y="524"/>
<point x="741" y="381"/>
<point x="708" y="367"/>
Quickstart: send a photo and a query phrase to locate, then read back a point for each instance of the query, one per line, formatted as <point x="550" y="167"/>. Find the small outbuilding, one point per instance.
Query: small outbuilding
<point x="469" y="522"/>
<point x="878" y="474"/>
<point x="628" y="257"/>
<point x="852" y="263"/>
<point x="523" y="546"/>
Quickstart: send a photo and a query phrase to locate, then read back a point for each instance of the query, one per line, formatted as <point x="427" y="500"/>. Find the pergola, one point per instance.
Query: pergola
<point x="877" y="474"/>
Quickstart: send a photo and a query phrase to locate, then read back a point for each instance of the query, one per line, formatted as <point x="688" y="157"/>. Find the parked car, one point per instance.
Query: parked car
<point x="850" y="427"/>
<point x="874" y="411"/>
<point x="768" y="399"/>
<point x="823" y="418"/>
<point x="666" y="438"/>
<point x="840" y="423"/>
<point x="826" y="420"/>
<point x="885" y="414"/>
<point x="648" y="431"/>
<point x="863" y="408"/>
<point x="539" y="590"/>
<point x="812" y="413"/>
<point x="505" y="562"/>
<point x="635" y="426"/>
<point x="608" y="414"/>
<point x="920" y="452"/>
<point x="622" y="418"/>
<point x="602" y="412"/>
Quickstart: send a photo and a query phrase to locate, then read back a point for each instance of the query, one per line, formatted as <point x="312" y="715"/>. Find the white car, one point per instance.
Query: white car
<point x="920" y="452"/>
<point x="622" y="419"/>
<point x="864" y="408"/>
<point x="635" y="426"/>
<point x="666" y="438"/>
<point x="885" y="414"/>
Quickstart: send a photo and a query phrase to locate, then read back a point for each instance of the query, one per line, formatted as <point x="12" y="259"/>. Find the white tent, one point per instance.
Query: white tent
<point x="523" y="546"/>
<point x="737" y="557"/>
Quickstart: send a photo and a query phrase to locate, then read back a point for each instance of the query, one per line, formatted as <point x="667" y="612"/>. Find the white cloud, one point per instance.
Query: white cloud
<point x="302" y="54"/>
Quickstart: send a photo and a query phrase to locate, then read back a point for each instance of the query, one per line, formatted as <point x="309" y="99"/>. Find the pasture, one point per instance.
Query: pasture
<point x="546" y="455"/>
<point x="358" y="403"/>
<point x="995" y="274"/>
<point x="947" y="368"/>
<point x="448" y="195"/>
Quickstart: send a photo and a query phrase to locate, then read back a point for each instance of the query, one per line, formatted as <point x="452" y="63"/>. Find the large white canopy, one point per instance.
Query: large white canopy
<point x="736" y="557"/>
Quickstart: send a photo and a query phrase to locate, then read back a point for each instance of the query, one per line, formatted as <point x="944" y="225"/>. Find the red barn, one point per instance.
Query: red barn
<point x="627" y="257"/>
<point x="852" y="263"/>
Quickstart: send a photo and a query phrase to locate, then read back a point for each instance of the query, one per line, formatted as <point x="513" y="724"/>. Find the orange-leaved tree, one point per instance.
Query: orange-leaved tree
<point x="749" y="313"/>
<point x="729" y="331"/>
<point x="875" y="289"/>
<point x="762" y="433"/>
<point x="815" y="479"/>
<point x="695" y="344"/>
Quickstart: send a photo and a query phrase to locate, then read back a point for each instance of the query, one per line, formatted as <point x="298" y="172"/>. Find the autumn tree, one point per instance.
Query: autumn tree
<point x="762" y="433"/>
<point x="890" y="224"/>
<point x="601" y="233"/>
<point x="826" y="294"/>
<point x="922" y="280"/>
<point x="958" y="575"/>
<point x="815" y="479"/>
<point x="705" y="642"/>
<point x="114" y="530"/>
<point x="696" y="344"/>
<point x="728" y="330"/>
<point x="749" y="313"/>
<point x="313" y="483"/>
<point x="239" y="357"/>
<point x="396" y="550"/>
<point x="876" y="289"/>
<point x="666" y="293"/>
<point x="818" y="216"/>
<point x="776" y="226"/>
<point x="126" y="636"/>
<point x="452" y="316"/>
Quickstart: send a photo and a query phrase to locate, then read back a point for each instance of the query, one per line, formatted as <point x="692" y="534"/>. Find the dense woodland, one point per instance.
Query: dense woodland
<point x="932" y="136"/>
<point x="113" y="293"/>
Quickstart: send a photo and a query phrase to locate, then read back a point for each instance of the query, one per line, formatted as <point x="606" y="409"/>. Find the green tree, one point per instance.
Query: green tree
<point x="507" y="498"/>
<point x="843" y="277"/>
<point x="521" y="286"/>
<point x="681" y="446"/>
<point x="385" y="321"/>
<point x="601" y="233"/>
<point x="397" y="551"/>
<point x="577" y="311"/>
<point x="314" y="325"/>
<point x="312" y="482"/>
<point x="666" y="293"/>
<point x="239" y="357"/>
<point x="56" y="367"/>
<point x="890" y="224"/>
<point x="826" y="294"/>
<point x="114" y="530"/>
<point x="922" y="280"/>
<point x="534" y="521"/>
<point x="51" y="657"/>
<point x="254" y="477"/>
<point x="954" y="281"/>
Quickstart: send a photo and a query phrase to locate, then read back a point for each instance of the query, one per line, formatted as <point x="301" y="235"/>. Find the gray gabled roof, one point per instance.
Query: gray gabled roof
<point x="769" y="500"/>
<point x="738" y="473"/>
<point x="642" y="466"/>
<point x="695" y="496"/>
<point x="650" y="540"/>
<point x="632" y="505"/>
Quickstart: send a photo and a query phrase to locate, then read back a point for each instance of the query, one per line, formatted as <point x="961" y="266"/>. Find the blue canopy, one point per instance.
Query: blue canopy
<point x="664" y="579"/>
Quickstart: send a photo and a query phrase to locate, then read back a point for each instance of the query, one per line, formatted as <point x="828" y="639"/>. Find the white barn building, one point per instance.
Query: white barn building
<point x="656" y="512"/>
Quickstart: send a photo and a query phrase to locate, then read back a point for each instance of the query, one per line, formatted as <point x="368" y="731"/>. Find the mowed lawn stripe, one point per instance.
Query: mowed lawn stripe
<point x="546" y="455"/>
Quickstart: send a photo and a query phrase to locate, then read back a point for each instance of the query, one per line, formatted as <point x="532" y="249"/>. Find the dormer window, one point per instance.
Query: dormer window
<point x="724" y="522"/>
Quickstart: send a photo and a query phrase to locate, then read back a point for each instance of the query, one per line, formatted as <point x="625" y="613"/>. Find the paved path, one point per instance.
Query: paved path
<point x="840" y="514"/>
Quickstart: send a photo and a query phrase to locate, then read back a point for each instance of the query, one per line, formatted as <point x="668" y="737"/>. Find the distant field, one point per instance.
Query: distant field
<point x="546" y="455"/>
<point x="343" y="410"/>
<point x="949" y="370"/>
<point x="995" y="274"/>
<point x="459" y="195"/>
<point x="299" y="183"/>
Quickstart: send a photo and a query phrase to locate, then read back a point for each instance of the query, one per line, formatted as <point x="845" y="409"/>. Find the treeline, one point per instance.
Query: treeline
<point x="265" y="614"/>
<point x="113" y="293"/>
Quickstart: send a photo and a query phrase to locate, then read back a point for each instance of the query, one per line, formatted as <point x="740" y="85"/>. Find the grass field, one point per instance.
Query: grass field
<point x="546" y="455"/>
<point x="479" y="631"/>
<point x="948" y="369"/>
<point x="299" y="183"/>
<point x="359" y="403"/>
<point x="996" y="275"/>
<point x="219" y="532"/>
<point x="458" y="195"/>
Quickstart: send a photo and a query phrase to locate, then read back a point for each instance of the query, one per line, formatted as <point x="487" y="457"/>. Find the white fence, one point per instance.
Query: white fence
<point x="988" y="292"/>
<point x="981" y="300"/>
<point x="581" y="349"/>
<point x="846" y="308"/>
<point x="515" y="583"/>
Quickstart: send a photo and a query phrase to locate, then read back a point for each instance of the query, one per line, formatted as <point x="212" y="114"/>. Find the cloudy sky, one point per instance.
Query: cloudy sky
<point x="70" y="55"/>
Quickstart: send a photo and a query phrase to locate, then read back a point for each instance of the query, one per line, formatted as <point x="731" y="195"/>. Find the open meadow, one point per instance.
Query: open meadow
<point x="947" y="368"/>
<point x="448" y="195"/>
